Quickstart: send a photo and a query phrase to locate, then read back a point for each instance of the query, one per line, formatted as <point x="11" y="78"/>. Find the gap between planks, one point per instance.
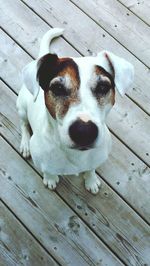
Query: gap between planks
<point x="68" y="211"/>
<point x="96" y="22"/>
<point x="135" y="13"/>
<point x="29" y="233"/>
<point x="98" y="236"/>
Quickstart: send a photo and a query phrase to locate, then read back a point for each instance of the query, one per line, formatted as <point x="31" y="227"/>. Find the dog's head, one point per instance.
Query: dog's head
<point x="79" y="93"/>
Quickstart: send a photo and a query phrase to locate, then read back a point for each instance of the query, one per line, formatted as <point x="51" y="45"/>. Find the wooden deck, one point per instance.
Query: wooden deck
<point x="70" y="226"/>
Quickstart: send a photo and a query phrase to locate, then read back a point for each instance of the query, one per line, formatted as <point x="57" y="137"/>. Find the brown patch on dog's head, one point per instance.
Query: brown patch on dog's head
<point x="70" y="68"/>
<point x="104" y="88"/>
<point x="59" y="78"/>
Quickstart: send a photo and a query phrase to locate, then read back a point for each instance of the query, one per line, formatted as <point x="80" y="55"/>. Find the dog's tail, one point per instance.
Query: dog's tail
<point x="47" y="38"/>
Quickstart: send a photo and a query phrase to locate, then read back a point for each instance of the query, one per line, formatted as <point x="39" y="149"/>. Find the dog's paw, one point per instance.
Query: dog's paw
<point x="51" y="181"/>
<point x="92" y="184"/>
<point x="25" y="146"/>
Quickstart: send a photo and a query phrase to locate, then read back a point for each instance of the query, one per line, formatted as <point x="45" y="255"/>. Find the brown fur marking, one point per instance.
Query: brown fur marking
<point x="66" y="67"/>
<point x="110" y="96"/>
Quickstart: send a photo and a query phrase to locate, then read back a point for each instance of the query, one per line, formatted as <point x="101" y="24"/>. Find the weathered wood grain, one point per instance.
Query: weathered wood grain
<point x="129" y="177"/>
<point x="122" y="24"/>
<point x="25" y="27"/>
<point x="141" y="8"/>
<point x="111" y="220"/>
<point x="54" y="224"/>
<point x="107" y="214"/>
<point x="123" y="166"/>
<point x="131" y="125"/>
<point x="17" y="246"/>
<point x="88" y="38"/>
<point x="5" y="260"/>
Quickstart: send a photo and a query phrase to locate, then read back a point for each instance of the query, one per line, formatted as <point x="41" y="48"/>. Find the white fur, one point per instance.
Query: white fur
<point x="50" y="143"/>
<point x="47" y="38"/>
<point x="123" y="70"/>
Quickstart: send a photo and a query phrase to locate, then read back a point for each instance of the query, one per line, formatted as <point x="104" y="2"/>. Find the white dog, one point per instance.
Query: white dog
<point x="65" y="101"/>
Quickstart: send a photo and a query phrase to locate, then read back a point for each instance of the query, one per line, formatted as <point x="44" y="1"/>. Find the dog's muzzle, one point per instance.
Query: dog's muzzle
<point x="83" y="134"/>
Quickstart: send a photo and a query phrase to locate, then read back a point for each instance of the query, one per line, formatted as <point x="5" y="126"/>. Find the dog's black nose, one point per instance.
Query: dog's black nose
<point x="83" y="133"/>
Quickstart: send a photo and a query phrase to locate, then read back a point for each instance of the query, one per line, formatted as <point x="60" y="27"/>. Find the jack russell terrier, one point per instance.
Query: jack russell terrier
<point x="65" y="102"/>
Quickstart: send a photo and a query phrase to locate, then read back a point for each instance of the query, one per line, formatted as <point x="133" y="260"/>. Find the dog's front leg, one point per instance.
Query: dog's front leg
<point x="24" y="125"/>
<point x="50" y="181"/>
<point x="92" y="181"/>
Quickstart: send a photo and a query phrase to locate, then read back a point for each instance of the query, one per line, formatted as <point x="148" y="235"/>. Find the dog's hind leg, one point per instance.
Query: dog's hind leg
<point x="25" y="127"/>
<point x="92" y="181"/>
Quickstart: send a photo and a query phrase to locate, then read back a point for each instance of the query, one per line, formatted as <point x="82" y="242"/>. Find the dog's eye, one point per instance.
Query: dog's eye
<point x="102" y="88"/>
<point x="59" y="90"/>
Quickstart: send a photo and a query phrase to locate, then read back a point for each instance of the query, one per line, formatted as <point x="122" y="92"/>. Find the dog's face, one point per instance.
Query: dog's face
<point x="78" y="97"/>
<point x="79" y="93"/>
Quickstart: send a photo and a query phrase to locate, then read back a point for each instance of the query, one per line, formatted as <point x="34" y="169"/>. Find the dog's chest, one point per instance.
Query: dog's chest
<point x="58" y="161"/>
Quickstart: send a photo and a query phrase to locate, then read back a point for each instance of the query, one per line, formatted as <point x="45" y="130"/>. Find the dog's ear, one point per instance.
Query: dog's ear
<point x="47" y="69"/>
<point x="38" y="73"/>
<point x="122" y="70"/>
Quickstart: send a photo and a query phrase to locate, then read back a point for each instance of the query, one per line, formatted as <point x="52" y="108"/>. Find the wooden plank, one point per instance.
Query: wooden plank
<point x="122" y="229"/>
<point x="129" y="177"/>
<point x="5" y="260"/>
<point x="17" y="246"/>
<point x="122" y="166"/>
<point x="122" y="24"/>
<point x="21" y="19"/>
<point x="81" y="35"/>
<point x="139" y="7"/>
<point x="53" y="223"/>
<point x="131" y="125"/>
<point x="125" y="119"/>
